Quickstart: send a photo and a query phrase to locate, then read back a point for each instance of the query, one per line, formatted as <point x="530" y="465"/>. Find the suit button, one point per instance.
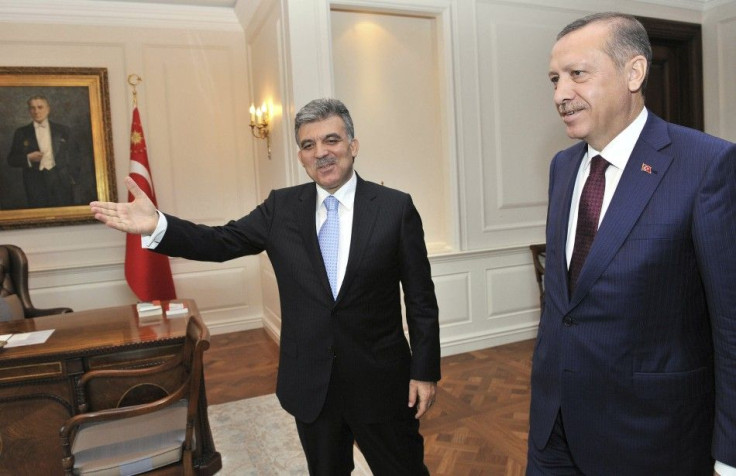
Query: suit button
<point x="568" y="321"/>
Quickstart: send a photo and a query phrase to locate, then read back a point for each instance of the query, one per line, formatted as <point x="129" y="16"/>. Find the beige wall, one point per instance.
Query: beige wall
<point x="388" y="70"/>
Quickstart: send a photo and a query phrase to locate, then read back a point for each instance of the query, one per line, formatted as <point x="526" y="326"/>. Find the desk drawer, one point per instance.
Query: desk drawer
<point x="42" y="370"/>
<point x="135" y="358"/>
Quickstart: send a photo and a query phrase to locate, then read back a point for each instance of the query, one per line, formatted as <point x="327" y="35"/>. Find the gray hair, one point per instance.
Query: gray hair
<point x="321" y="109"/>
<point x="628" y="37"/>
<point x="37" y="97"/>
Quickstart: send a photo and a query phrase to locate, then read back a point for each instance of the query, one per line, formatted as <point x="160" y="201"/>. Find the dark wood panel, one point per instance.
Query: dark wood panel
<point x="675" y="87"/>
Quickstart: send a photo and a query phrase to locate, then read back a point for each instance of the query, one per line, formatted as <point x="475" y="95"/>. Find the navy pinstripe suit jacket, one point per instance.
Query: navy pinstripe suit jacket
<point x="641" y="359"/>
<point x="361" y="332"/>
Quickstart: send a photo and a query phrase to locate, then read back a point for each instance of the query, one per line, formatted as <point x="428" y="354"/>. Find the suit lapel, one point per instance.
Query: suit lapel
<point x="55" y="139"/>
<point x="633" y="193"/>
<point x="565" y="171"/>
<point x="306" y="214"/>
<point x="365" y="212"/>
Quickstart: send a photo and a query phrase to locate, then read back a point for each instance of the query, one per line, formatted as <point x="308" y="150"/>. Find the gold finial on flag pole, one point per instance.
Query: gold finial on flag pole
<point x="134" y="80"/>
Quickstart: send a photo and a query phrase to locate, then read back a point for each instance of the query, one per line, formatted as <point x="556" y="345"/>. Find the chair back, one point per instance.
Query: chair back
<point x="15" y="298"/>
<point x="139" y="436"/>
<point x="539" y="254"/>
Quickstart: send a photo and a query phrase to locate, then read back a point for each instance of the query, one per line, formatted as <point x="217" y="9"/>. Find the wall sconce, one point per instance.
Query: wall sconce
<point x="259" y="119"/>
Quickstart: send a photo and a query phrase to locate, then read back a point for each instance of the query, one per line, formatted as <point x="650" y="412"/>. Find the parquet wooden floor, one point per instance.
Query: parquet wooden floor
<point x="477" y="427"/>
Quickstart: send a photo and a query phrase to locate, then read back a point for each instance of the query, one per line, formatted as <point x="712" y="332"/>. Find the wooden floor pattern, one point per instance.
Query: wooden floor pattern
<point x="477" y="427"/>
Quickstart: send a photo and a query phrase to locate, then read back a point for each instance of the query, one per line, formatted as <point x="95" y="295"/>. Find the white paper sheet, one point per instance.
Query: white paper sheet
<point x="28" y="338"/>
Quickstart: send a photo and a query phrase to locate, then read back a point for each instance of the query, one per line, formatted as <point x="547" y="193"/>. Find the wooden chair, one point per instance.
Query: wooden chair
<point x="14" y="286"/>
<point x="157" y="436"/>
<point x="539" y="253"/>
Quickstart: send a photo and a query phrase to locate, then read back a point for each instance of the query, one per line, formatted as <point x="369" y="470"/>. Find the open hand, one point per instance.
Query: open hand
<point x="138" y="217"/>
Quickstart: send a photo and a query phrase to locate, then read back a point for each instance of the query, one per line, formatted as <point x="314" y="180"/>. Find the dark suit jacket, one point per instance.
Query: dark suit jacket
<point x="361" y="333"/>
<point x="642" y="358"/>
<point x="66" y="156"/>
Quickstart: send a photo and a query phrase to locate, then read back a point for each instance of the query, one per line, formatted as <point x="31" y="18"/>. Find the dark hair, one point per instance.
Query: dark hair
<point x="628" y="37"/>
<point x="37" y="96"/>
<point x="320" y="109"/>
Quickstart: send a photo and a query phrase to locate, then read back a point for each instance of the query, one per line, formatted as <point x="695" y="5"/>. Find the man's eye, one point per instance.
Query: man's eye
<point x="307" y="146"/>
<point x="577" y="73"/>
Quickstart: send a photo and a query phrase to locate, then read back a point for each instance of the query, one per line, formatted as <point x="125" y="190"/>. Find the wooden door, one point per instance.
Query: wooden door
<point x="674" y="90"/>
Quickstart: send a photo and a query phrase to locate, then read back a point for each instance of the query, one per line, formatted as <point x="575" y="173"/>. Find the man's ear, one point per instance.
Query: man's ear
<point x="637" y="72"/>
<point x="354" y="146"/>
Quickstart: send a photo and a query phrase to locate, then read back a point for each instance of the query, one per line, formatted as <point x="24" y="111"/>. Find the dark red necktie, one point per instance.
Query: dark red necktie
<point x="589" y="213"/>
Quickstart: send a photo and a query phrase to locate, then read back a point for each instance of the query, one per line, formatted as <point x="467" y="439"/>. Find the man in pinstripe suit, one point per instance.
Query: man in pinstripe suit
<point x="346" y="371"/>
<point x="634" y="371"/>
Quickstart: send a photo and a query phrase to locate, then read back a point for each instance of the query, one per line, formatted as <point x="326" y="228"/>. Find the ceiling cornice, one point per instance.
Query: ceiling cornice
<point x="119" y="13"/>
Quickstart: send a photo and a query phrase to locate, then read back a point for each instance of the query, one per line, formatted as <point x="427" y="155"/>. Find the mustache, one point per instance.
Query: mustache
<point x="568" y="107"/>
<point x="325" y="161"/>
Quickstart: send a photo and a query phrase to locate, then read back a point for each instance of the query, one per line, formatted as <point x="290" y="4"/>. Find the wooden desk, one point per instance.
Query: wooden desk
<point x="37" y="382"/>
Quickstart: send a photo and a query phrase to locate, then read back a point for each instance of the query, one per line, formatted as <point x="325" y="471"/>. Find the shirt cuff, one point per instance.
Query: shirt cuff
<point x="151" y="241"/>
<point x="724" y="469"/>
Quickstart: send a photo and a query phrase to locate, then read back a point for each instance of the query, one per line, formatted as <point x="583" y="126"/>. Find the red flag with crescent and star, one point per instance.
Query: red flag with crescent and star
<point x="148" y="273"/>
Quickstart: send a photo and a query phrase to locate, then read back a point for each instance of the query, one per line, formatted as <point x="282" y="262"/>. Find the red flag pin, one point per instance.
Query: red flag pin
<point x="646" y="168"/>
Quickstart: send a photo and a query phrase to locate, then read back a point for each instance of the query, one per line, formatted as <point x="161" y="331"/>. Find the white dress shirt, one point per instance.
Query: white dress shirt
<point x="617" y="154"/>
<point x="346" y="196"/>
<point x="43" y="137"/>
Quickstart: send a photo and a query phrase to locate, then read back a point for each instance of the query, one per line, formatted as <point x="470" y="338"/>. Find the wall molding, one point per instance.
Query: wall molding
<point x="129" y="14"/>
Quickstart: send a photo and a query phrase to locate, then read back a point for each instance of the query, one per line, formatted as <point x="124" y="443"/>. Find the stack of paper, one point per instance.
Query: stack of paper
<point x="149" y="309"/>
<point x="177" y="309"/>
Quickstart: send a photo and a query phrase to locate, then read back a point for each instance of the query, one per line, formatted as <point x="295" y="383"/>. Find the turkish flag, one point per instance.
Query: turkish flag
<point x="148" y="273"/>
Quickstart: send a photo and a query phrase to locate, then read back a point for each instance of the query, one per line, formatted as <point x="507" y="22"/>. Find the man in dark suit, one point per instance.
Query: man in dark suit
<point x="634" y="371"/>
<point x="346" y="370"/>
<point x="48" y="156"/>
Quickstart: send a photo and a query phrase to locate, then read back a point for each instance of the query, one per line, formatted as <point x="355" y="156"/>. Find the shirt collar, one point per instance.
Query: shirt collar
<point x="44" y="123"/>
<point x="618" y="151"/>
<point x="345" y="194"/>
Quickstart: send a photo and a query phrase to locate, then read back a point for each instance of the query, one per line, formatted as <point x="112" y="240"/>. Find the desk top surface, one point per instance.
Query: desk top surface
<point x="86" y="332"/>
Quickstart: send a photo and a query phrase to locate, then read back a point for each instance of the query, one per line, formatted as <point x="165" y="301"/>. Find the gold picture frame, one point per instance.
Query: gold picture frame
<point x="81" y="146"/>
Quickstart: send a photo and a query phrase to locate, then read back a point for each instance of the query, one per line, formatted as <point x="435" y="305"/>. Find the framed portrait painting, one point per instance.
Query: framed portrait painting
<point x="56" y="151"/>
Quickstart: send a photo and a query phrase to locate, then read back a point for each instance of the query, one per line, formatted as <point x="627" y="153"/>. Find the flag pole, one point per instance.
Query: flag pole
<point x="148" y="274"/>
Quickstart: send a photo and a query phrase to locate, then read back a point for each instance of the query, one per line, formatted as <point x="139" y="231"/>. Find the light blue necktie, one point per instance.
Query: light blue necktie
<point x="329" y="239"/>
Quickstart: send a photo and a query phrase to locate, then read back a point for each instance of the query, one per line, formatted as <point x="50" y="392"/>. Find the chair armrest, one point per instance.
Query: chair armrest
<point x="35" y="312"/>
<point x="129" y="373"/>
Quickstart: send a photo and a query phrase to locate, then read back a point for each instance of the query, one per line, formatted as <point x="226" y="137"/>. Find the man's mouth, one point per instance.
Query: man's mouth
<point x="567" y="109"/>
<point x="326" y="162"/>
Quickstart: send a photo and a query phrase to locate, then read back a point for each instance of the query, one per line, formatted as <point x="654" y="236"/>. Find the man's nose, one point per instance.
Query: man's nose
<point x="320" y="150"/>
<point x="563" y="91"/>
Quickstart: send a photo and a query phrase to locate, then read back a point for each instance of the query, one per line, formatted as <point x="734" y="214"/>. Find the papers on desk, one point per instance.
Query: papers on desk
<point x="177" y="309"/>
<point x="153" y="312"/>
<point x="26" y="338"/>
<point x="149" y="309"/>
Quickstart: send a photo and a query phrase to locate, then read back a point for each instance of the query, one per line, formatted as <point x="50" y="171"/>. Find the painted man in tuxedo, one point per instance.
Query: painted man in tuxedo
<point x="346" y="371"/>
<point x="48" y="156"/>
<point x="634" y="370"/>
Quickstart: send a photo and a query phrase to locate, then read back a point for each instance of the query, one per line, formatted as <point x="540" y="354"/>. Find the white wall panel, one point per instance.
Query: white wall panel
<point x="396" y="101"/>
<point x="520" y="130"/>
<point x="453" y="297"/>
<point x="723" y="21"/>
